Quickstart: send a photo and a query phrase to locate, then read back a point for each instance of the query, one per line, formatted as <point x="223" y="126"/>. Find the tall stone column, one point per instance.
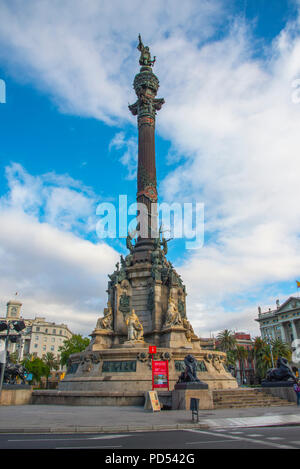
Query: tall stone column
<point x="283" y="333"/>
<point x="294" y="329"/>
<point x="146" y="85"/>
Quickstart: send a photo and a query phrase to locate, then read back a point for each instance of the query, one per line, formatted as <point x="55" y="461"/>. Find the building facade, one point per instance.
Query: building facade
<point x="39" y="337"/>
<point x="283" y="322"/>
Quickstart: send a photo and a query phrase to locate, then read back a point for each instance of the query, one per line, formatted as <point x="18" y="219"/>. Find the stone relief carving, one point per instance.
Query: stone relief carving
<point x="173" y="317"/>
<point x="134" y="327"/>
<point x="106" y="322"/>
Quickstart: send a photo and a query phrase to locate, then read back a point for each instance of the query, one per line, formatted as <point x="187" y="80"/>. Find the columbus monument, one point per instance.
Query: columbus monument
<point x="146" y="302"/>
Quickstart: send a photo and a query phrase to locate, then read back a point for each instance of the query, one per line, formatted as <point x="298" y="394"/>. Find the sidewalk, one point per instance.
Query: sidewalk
<point x="96" y="419"/>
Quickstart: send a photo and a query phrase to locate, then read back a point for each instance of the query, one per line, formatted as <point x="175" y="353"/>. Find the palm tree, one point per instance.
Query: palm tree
<point x="51" y="363"/>
<point x="241" y="354"/>
<point x="262" y="357"/>
<point x="226" y="340"/>
<point x="281" y="349"/>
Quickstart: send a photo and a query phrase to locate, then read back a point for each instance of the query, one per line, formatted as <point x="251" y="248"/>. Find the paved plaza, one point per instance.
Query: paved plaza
<point x="46" y="418"/>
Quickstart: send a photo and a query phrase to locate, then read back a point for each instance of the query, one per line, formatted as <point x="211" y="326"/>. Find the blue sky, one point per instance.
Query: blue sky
<point x="227" y="137"/>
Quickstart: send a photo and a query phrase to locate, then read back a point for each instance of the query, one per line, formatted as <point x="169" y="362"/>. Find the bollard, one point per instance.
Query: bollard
<point x="194" y="407"/>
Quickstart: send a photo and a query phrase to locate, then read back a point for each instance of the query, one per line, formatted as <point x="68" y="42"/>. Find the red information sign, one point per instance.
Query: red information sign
<point x="160" y="374"/>
<point x="152" y="348"/>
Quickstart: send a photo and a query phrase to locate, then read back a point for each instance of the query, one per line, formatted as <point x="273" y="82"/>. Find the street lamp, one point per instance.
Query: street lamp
<point x="9" y="326"/>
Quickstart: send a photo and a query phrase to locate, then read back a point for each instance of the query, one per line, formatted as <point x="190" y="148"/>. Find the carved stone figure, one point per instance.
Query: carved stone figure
<point x="150" y="300"/>
<point x="145" y="58"/>
<point x="282" y="372"/>
<point x="124" y="303"/>
<point x="107" y="321"/>
<point x="217" y="363"/>
<point x="189" y="331"/>
<point x="181" y="308"/>
<point x="129" y="244"/>
<point x="128" y="260"/>
<point x="189" y="375"/>
<point x="173" y="317"/>
<point x="134" y="326"/>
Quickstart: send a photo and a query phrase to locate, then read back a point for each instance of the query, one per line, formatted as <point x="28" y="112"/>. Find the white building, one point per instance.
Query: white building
<point x="39" y="336"/>
<point x="281" y="323"/>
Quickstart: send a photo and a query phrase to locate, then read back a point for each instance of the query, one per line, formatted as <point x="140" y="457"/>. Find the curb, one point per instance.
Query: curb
<point x="104" y="429"/>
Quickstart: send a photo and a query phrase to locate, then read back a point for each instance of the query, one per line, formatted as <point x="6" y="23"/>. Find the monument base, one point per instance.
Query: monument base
<point x="16" y="394"/>
<point x="277" y="384"/>
<point x="191" y="386"/>
<point x="102" y="339"/>
<point x="181" y="398"/>
<point x="129" y="369"/>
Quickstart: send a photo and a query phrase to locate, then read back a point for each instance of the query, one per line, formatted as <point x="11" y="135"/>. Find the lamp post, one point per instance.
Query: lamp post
<point x="9" y="326"/>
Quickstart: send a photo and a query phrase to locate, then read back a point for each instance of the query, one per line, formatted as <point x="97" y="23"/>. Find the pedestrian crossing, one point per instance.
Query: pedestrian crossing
<point x="258" y="438"/>
<point x="264" y="420"/>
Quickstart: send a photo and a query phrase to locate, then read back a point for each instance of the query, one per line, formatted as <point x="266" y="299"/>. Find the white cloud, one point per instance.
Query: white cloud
<point x="58" y="274"/>
<point x="130" y="156"/>
<point x="81" y="51"/>
<point x="56" y="199"/>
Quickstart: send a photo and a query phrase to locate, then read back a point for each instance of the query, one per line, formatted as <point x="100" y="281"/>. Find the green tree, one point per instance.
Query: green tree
<point x="281" y="349"/>
<point x="262" y="358"/>
<point x="264" y="352"/>
<point x="51" y="364"/>
<point x="241" y="354"/>
<point x="76" y="344"/>
<point x="37" y="367"/>
<point x="226" y="340"/>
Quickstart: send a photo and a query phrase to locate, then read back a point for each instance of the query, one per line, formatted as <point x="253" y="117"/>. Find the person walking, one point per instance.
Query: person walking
<point x="297" y="391"/>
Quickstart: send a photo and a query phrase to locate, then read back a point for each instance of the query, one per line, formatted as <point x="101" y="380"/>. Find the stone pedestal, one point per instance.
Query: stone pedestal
<point x="175" y="338"/>
<point x="102" y="339"/>
<point x="277" y="384"/>
<point x="184" y="392"/>
<point x="16" y="394"/>
<point x="134" y="344"/>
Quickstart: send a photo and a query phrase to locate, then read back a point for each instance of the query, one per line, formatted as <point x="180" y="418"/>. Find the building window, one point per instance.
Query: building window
<point x="44" y="347"/>
<point x="36" y="337"/>
<point x="35" y="345"/>
<point x="52" y="348"/>
<point x="46" y="330"/>
<point x="60" y="332"/>
<point x="54" y="331"/>
<point x="53" y="339"/>
<point x="37" y="329"/>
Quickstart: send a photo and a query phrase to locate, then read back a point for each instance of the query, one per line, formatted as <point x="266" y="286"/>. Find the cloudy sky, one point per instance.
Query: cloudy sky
<point x="227" y="137"/>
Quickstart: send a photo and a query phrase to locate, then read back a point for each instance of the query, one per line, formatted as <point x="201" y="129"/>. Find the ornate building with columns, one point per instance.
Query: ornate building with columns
<point x="282" y="322"/>
<point x="39" y="337"/>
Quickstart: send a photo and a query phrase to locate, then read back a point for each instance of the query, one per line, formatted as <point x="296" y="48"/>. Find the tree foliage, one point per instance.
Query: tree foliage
<point x="51" y="363"/>
<point x="37" y="367"/>
<point x="76" y="344"/>
<point x="226" y="340"/>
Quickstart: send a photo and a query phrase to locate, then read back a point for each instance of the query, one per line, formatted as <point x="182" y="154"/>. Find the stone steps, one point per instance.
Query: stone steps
<point x="246" y="398"/>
